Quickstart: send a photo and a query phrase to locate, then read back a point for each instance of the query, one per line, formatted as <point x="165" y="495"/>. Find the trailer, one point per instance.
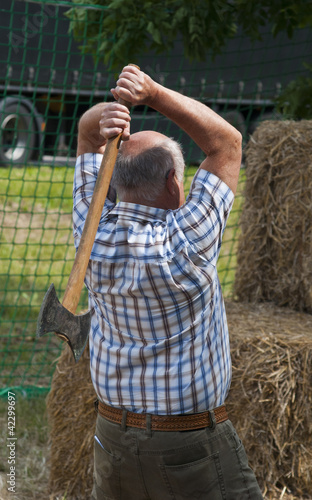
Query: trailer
<point x="47" y="83"/>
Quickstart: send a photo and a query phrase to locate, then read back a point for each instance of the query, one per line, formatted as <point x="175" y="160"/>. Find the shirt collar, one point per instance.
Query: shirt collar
<point x="132" y="211"/>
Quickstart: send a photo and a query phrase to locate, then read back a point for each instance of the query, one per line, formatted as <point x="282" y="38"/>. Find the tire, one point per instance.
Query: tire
<point x="17" y="133"/>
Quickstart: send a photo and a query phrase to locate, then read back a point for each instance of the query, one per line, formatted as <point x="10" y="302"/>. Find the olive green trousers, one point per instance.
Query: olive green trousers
<point x="205" y="464"/>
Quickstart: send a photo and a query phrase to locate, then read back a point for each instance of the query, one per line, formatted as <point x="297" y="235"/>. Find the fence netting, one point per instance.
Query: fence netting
<point x="46" y="83"/>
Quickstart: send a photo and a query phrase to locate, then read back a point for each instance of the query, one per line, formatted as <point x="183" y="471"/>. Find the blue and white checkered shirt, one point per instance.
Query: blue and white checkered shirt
<point x="159" y="339"/>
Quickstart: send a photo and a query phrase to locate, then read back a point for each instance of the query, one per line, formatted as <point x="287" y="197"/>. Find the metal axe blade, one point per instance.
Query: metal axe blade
<point x="54" y="317"/>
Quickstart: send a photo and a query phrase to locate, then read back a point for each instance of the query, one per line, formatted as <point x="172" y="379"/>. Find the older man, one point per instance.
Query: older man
<point x="159" y="342"/>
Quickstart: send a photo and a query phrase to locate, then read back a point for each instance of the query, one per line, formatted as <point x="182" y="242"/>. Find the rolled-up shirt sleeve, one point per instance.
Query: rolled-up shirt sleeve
<point x="205" y="214"/>
<point x="86" y="172"/>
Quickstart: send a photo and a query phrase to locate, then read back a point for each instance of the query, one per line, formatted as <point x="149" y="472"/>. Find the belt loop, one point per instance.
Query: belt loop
<point x="123" y="423"/>
<point x="213" y="422"/>
<point x="149" y="425"/>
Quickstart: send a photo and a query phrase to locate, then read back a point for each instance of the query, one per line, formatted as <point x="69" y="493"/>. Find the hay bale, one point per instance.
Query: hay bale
<point x="269" y="403"/>
<point x="275" y="245"/>
<point x="71" y="416"/>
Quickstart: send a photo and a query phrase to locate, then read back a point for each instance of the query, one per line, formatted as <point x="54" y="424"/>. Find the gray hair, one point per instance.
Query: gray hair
<point x="143" y="176"/>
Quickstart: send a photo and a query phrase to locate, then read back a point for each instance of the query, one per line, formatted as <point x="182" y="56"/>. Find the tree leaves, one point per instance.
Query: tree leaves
<point x="295" y="102"/>
<point x="118" y="31"/>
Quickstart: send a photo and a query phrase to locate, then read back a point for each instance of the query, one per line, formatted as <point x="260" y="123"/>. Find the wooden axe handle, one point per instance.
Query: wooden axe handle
<point x="76" y="279"/>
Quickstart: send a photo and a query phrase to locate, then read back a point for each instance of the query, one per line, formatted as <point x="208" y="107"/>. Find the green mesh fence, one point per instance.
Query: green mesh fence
<point x="45" y="85"/>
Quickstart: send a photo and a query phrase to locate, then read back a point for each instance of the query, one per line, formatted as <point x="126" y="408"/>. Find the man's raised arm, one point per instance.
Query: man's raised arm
<point x="220" y="141"/>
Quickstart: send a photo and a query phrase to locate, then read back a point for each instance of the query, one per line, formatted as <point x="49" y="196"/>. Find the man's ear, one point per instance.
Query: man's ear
<point x="170" y="181"/>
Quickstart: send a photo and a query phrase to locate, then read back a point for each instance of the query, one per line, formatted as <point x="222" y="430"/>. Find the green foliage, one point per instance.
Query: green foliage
<point x="118" y="31"/>
<point x="295" y="102"/>
<point x="282" y="15"/>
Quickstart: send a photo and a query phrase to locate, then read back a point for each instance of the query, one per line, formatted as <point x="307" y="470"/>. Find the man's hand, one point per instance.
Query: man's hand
<point x="115" y="119"/>
<point x="135" y="86"/>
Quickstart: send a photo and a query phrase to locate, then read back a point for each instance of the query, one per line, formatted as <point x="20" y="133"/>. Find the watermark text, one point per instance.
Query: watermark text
<point x="11" y="443"/>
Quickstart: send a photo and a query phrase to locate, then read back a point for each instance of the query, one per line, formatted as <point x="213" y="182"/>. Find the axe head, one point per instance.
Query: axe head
<point x="54" y="317"/>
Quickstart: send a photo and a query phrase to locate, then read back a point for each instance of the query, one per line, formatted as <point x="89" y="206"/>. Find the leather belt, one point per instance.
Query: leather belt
<point x="173" y="423"/>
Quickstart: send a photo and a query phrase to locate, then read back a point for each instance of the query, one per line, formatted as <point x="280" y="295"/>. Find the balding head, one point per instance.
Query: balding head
<point x="141" y="141"/>
<point x="142" y="165"/>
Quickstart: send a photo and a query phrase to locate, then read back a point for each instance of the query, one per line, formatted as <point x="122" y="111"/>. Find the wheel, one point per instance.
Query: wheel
<point x="17" y="133"/>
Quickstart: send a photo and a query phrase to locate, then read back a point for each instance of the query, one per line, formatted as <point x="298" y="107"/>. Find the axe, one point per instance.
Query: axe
<point x="61" y="318"/>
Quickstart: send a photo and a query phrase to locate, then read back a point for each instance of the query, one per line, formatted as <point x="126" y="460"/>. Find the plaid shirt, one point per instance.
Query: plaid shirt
<point x="159" y="339"/>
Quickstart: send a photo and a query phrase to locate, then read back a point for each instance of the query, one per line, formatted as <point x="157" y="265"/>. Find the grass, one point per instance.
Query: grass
<point x="36" y="236"/>
<point x="36" y="250"/>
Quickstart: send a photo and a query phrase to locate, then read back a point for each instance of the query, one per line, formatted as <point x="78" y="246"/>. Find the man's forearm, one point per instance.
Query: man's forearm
<point x="89" y="138"/>
<point x="204" y="126"/>
<point x="219" y="140"/>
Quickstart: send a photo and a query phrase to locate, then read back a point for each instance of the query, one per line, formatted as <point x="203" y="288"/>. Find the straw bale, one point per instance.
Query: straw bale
<point x="275" y="245"/>
<point x="72" y="416"/>
<point x="270" y="400"/>
<point x="269" y="404"/>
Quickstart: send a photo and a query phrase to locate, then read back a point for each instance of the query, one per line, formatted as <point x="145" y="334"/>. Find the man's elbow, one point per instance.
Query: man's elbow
<point x="237" y="142"/>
